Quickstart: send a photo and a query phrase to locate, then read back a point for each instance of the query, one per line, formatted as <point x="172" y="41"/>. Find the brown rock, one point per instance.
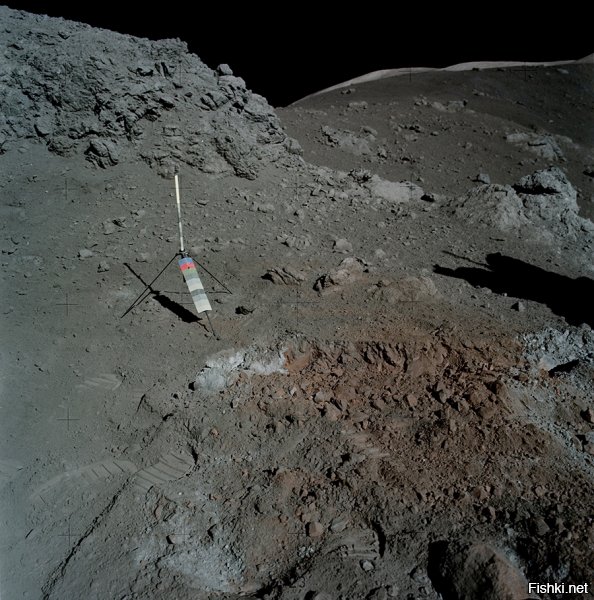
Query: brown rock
<point x="412" y="400"/>
<point x="315" y="529"/>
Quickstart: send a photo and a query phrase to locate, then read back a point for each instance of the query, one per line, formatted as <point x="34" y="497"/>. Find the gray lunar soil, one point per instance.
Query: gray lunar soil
<point x="398" y="399"/>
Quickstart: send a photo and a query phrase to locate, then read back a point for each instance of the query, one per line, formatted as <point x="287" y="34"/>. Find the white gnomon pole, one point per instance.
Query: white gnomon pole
<point x="179" y="222"/>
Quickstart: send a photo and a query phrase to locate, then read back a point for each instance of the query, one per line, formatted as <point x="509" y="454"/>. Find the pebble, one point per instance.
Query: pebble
<point x="519" y="306"/>
<point x="482" y="178"/>
<point x="367" y="565"/>
<point x="412" y="400"/>
<point x="103" y="266"/>
<point x="315" y="529"/>
<point x="85" y="253"/>
<point x="343" y="246"/>
<point x="108" y="227"/>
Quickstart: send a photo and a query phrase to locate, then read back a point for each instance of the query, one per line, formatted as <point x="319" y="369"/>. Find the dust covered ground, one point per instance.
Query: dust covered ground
<point x="397" y="398"/>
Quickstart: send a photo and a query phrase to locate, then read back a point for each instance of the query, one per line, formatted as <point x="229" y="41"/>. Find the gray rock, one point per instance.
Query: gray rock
<point x="85" y="253"/>
<point x="103" y="266"/>
<point x="224" y="69"/>
<point x="482" y="178"/>
<point x="103" y="153"/>
<point x="478" y="570"/>
<point x="298" y="242"/>
<point x="543" y="145"/>
<point x="367" y="565"/>
<point x="109" y="227"/>
<point x="545" y="182"/>
<point x="348" y="140"/>
<point x="342" y="245"/>
<point x="284" y="276"/>
<point x="394" y="192"/>
<point x="293" y="146"/>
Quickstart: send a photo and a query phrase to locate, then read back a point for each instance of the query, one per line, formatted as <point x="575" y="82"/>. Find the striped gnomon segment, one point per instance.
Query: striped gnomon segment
<point x="188" y="268"/>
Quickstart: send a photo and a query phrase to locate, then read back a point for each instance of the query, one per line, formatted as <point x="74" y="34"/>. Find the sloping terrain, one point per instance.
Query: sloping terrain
<point x="396" y="400"/>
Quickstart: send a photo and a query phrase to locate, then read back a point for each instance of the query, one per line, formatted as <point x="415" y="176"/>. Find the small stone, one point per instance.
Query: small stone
<point x="343" y="246"/>
<point x="367" y="565"/>
<point x="588" y="415"/>
<point x="175" y="539"/>
<point x="108" y="227"/>
<point x="85" y="253"/>
<point x="412" y="400"/>
<point x="540" y="527"/>
<point x="103" y="267"/>
<point x="315" y="529"/>
<point x="339" y="524"/>
<point x="482" y="178"/>
<point x="143" y="257"/>
<point x="519" y="306"/>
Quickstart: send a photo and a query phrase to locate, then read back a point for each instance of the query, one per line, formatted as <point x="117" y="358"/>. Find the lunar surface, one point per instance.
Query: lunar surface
<point x="392" y="396"/>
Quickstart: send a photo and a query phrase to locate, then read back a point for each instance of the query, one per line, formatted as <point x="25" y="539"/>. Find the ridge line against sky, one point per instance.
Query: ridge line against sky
<point x="287" y="56"/>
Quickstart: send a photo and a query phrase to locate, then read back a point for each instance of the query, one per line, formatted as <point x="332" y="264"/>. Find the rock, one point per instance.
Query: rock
<point x="242" y="310"/>
<point x="343" y="246"/>
<point x="589" y="171"/>
<point x="476" y="570"/>
<point x="349" y="270"/>
<point x="339" y="524"/>
<point x="239" y="154"/>
<point x="43" y="126"/>
<point x="547" y="181"/>
<point x="394" y="192"/>
<point x="408" y="289"/>
<point x="264" y="207"/>
<point x="315" y="529"/>
<point x="541" y="206"/>
<point x="174" y="538"/>
<point x="367" y="565"/>
<point x="543" y="145"/>
<point x="482" y="178"/>
<point x="298" y="242"/>
<point x="143" y="257"/>
<point x="360" y="175"/>
<point x="451" y="106"/>
<point x="539" y="527"/>
<point x="85" y="253"/>
<point x="380" y="593"/>
<point x="348" y="141"/>
<point x="103" y="153"/>
<point x="109" y="227"/>
<point x="519" y="306"/>
<point x="412" y="400"/>
<point x="103" y="266"/>
<point x="293" y="146"/>
<point x="224" y="69"/>
<point x="284" y="276"/>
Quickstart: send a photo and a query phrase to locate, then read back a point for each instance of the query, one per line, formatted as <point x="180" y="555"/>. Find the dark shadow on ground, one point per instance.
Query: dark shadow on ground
<point x="177" y="309"/>
<point x="570" y="298"/>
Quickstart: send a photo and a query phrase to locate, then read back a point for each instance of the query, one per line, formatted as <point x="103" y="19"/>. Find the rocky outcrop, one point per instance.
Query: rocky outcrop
<point x="114" y="97"/>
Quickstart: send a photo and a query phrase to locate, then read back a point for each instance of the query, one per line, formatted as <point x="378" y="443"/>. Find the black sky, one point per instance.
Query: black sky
<point x="287" y="52"/>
